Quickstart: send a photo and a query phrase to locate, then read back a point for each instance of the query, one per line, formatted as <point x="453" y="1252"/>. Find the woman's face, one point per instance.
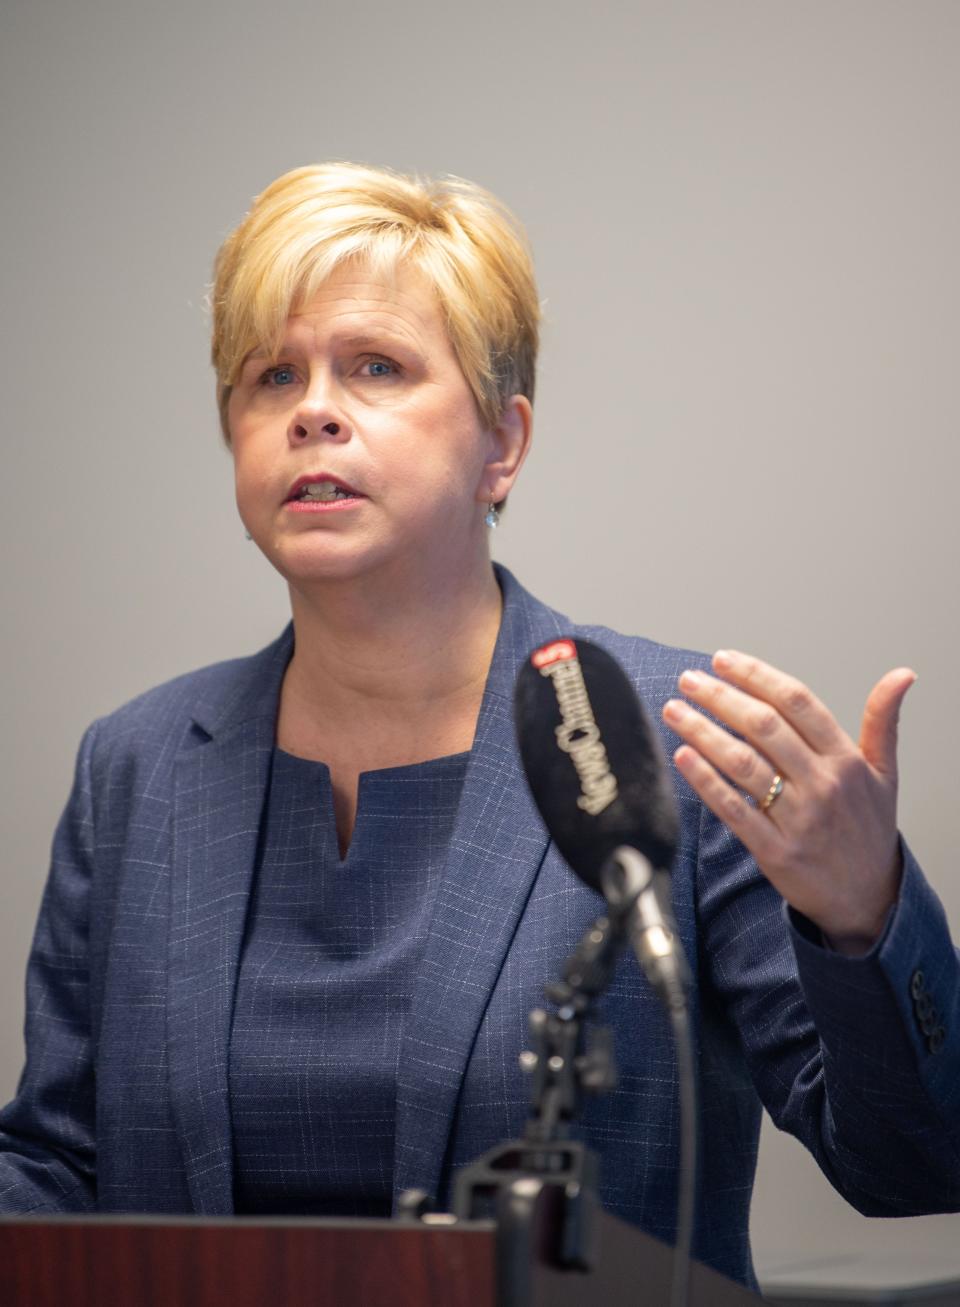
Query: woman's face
<point x="361" y="448"/>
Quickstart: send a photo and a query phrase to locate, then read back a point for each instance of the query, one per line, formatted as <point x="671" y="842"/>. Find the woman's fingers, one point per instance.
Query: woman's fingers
<point x="794" y="701"/>
<point x="751" y="827"/>
<point x="748" y="769"/>
<point x="762" y="725"/>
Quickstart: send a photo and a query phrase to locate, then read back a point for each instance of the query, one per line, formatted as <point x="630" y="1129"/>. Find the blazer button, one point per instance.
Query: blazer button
<point x="929" y="1023"/>
<point x="923" y="1006"/>
<point x="916" y="984"/>
<point x="936" y="1040"/>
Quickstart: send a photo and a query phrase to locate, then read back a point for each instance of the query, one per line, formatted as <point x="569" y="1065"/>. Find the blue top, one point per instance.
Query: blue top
<point x="330" y="957"/>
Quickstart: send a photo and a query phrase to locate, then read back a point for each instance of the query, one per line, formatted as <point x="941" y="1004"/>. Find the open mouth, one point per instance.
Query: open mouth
<point x="321" y="492"/>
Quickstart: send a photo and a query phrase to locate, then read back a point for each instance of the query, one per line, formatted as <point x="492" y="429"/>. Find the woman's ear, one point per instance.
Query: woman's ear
<point x="509" y="446"/>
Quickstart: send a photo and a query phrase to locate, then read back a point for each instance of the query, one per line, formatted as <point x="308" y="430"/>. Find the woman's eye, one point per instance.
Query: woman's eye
<point x="379" y="368"/>
<point x="278" y="377"/>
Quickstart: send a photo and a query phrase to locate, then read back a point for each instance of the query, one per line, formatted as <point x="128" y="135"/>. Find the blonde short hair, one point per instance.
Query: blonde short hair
<point x="312" y="219"/>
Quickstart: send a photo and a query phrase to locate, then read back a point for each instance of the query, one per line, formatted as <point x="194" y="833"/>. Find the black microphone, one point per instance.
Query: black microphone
<point x="597" y="772"/>
<point x="593" y="759"/>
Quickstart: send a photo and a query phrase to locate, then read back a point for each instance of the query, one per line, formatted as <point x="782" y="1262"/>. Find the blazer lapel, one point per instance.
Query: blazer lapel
<point x="220" y="786"/>
<point x="497" y="847"/>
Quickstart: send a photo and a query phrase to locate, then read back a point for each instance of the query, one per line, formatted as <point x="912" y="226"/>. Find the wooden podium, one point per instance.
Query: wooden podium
<point x="254" y="1262"/>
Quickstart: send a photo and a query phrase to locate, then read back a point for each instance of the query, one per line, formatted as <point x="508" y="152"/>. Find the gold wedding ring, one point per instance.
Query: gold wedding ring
<point x="774" y="792"/>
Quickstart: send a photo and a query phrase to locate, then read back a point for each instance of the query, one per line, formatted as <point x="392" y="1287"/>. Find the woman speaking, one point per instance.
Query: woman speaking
<point x="301" y="903"/>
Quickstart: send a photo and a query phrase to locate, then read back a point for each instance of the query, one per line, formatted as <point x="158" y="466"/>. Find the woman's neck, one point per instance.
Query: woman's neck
<point x="385" y="675"/>
<point x="381" y="671"/>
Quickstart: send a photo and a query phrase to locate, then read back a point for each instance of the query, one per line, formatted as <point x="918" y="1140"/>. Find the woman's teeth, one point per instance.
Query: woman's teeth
<point x="323" y="491"/>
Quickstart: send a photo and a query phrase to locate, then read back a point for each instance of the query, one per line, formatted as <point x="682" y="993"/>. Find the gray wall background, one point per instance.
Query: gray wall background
<point x="745" y="215"/>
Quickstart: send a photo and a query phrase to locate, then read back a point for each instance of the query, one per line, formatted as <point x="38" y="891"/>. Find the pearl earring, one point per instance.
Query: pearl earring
<point x="492" y="518"/>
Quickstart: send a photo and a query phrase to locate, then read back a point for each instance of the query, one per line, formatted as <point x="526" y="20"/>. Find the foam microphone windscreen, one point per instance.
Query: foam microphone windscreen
<point x="593" y="758"/>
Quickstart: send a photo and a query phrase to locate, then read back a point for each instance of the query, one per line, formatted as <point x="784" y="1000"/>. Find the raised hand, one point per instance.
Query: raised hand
<point x="822" y="825"/>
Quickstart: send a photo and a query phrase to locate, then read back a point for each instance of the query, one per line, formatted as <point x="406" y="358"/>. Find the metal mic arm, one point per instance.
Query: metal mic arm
<point x="639" y="897"/>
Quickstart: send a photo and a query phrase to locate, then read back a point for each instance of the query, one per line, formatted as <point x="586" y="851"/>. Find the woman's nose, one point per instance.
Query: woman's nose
<point x="318" y="417"/>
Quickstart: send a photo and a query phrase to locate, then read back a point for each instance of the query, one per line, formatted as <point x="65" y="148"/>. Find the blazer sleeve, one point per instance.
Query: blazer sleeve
<point x="853" y="1061"/>
<point x="47" y="1133"/>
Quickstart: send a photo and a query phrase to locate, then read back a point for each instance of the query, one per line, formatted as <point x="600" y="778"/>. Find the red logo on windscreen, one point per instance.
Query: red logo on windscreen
<point x="559" y="651"/>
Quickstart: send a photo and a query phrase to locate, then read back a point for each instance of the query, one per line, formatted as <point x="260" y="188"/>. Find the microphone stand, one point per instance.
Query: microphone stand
<point x="541" y="1190"/>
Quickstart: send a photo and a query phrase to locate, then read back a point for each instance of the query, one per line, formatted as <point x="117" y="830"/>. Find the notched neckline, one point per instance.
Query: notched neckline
<point x="452" y="766"/>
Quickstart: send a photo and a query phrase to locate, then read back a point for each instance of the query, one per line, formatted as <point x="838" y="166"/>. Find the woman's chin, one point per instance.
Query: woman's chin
<point x="316" y="558"/>
<point x="311" y="561"/>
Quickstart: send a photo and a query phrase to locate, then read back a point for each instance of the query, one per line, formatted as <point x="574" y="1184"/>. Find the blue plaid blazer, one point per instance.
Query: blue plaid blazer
<point x="123" y="1105"/>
